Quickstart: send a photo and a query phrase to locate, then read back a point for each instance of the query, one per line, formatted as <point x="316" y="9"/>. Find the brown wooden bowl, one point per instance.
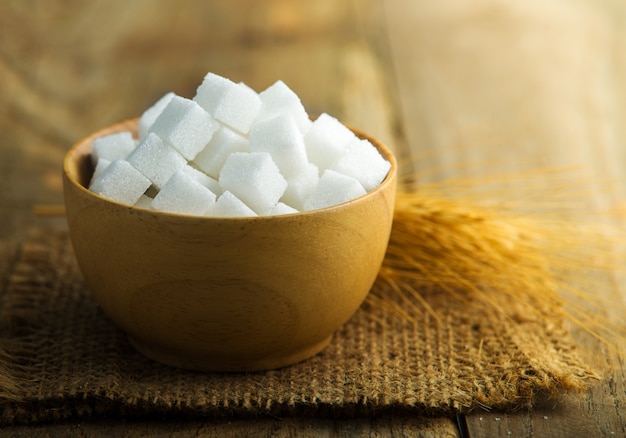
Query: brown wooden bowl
<point x="226" y="294"/>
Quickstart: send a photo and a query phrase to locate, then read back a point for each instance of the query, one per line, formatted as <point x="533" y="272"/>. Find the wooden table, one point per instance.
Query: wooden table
<point x="464" y="88"/>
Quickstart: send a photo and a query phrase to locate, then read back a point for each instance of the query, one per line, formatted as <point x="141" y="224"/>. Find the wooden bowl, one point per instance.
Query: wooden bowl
<point x="226" y="294"/>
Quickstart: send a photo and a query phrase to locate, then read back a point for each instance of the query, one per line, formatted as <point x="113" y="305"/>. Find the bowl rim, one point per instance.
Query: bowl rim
<point x="83" y="148"/>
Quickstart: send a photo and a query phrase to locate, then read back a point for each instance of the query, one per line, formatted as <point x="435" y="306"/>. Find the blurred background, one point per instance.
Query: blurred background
<point x="457" y="89"/>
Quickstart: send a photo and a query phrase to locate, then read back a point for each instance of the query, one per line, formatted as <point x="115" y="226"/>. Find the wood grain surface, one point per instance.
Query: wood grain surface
<point x="460" y="89"/>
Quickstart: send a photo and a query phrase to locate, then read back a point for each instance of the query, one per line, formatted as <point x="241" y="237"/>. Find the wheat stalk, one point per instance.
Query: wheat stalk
<point x="443" y="237"/>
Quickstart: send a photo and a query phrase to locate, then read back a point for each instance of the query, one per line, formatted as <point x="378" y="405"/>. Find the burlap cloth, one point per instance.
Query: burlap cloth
<point x="61" y="358"/>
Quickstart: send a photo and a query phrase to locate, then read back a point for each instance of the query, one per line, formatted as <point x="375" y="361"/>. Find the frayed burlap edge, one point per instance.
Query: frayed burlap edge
<point x="61" y="358"/>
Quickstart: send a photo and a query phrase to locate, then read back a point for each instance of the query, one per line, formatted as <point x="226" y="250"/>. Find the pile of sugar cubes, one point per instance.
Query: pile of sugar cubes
<point x="231" y="151"/>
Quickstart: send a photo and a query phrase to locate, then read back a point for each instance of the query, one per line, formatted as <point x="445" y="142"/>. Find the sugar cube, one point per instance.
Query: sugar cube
<point x="235" y="105"/>
<point x="333" y="188"/>
<point x="183" y="194"/>
<point x="121" y="182"/>
<point x="363" y="162"/>
<point x="282" y="208"/>
<point x="223" y="143"/>
<point x="185" y="125"/>
<point x="211" y="91"/>
<point x="150" y="115"/>
<point x="228" y="205"/>
<point x="204" y="179"/>
<point x="102" y="164"/>
<point x="326" y="141"/>
<point x="231" y="151"/>
<point x="254" y="178"/>
<point x="300" y="186"/>
<point x="144" y="202"/>
<point x="278" y="99"/>
<point x="279" y="136"/>
<point x="156" y="159"/>
<point x="112" y="147"/>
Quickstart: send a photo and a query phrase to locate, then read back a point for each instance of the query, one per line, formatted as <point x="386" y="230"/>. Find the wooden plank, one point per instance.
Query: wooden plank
<point x="598" y="412"/>
<point x="397" y="424"/>
<point x="488" y="87"/>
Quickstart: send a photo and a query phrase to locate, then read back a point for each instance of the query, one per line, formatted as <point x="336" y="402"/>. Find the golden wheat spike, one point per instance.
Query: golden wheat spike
<point x="469" y="251"/>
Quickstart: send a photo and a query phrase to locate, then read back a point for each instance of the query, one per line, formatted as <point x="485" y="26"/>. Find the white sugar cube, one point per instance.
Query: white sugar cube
<point x="326" y="141"/>
<point x="362" y="161"/>
<point x="239" y="108"/>
<point x="228" y="205"/>
<point x="204" y="179"/>
<point x="185" y="125"/>
<point x="278" y="99"/>
<point x="121" y="182"/>
<point x="211" y="91"/>
<point x="254" y="178"/>
<point x="231" y="151"/>
<point x="235" y="105"/>
<point x="112" y="147"/>
<point x="223" y="143"/>
<point x="100" y="166"/>
<point x="282" y="208"/>
<point x="144" y="202"/>
<point x="184" y="195"/>
<point x="156" y="159"/>
<point x="333" y="188"/>
<point x="150" y="115"/>
<point x="300" y="186"/>
<point x="281" y="138"/>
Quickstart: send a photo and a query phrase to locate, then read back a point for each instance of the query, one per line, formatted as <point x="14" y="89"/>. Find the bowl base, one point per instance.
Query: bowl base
<point x="177" y="359"/>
